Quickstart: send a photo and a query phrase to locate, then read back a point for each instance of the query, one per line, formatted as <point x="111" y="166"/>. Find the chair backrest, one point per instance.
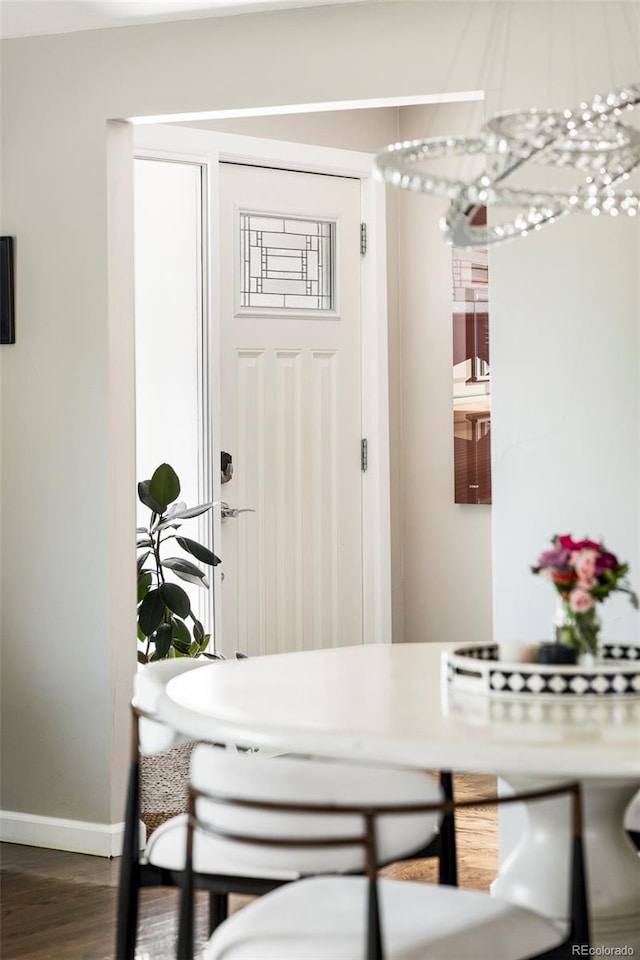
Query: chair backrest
<point x="304" y="780"/>
<point x="632" y="815"/>
<point x="300" y="804"/>
<point x="149" y="685"/>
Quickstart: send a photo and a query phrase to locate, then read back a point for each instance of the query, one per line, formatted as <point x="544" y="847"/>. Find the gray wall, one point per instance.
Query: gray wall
<point x="67" y="390"/>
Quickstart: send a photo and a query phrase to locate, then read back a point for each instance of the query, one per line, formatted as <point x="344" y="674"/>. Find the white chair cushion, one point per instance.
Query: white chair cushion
<point x="313" y="781"/>
<point x="632" y="815"/>
<point x="324" y="918"/>
<point x="149" y="684"/>
<point x="167" y="846"/>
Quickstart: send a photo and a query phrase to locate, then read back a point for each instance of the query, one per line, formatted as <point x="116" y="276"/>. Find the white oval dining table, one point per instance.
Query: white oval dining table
<point x="390" y="703"/>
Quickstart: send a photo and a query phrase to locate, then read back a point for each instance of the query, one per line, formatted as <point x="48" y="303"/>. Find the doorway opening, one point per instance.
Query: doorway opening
<point x="283" y="135"/>
<point x="307" y="564"/>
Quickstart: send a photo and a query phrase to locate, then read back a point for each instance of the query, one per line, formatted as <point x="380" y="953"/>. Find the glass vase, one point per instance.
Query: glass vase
<point x="578" y="630"/>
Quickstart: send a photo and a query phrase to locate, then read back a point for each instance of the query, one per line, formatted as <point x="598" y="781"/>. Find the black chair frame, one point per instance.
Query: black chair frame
<point x="578" y="934"/>
<point x="135" y="875"/>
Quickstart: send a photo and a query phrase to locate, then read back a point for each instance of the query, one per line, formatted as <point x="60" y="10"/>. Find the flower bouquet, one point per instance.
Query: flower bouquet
<point x="584" y="573"/>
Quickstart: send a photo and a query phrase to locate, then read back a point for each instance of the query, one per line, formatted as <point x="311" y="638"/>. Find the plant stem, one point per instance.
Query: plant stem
<point x="155" y="546"/>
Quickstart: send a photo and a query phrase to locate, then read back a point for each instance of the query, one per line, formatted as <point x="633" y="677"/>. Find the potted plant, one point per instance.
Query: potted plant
<point x="167" y="625"/>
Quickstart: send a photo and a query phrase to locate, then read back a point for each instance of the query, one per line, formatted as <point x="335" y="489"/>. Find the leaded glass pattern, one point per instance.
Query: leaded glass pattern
<point x="286" y="262"/>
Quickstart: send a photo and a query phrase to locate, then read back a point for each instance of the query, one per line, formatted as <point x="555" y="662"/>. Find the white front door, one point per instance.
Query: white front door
<point x="290" y="397"/>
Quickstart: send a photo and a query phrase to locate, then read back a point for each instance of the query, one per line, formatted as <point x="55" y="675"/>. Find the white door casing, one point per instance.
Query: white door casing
<point x="209" y="149"/>
<point x="290" y="398"/>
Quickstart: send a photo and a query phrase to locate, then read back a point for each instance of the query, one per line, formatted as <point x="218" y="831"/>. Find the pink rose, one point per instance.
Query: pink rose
<point x="580" y="601"/>
<point x="584" y="563"/>
<point x="586" y="583"/>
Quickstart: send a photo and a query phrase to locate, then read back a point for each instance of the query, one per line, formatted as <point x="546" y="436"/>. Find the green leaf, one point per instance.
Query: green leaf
<point x="141" y="636"/>
<point x="192" y="511"/>
<point x="145" y="497"/>
<point x="151" y="612"/>
<point x="175" y="599"/>
<point x="163" y="639"/>
<point x="141" y="560"/>
<point x="198" y="630"/>
<point x="199" y="646"/>
<point x="146" y="542"/>
<point x="180" y="631"/>
<point x="181" y="648"/>
<point x="186" y="571"/>
<point x="167" y="519"/>
<point x="203" y="554"/>
<point x="142" y="657"/>
<point x="166" y="524"/>
<point x="174" y="509"/>
<point x="144" y="584"/>
<point x="164" y="486"/>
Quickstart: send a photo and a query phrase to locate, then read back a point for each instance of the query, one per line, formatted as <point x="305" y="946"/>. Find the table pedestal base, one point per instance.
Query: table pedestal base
<point x="536" y="873"/>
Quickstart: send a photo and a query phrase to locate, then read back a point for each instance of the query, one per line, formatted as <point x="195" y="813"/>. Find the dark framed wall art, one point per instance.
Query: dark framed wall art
<point x="7" y="317"/>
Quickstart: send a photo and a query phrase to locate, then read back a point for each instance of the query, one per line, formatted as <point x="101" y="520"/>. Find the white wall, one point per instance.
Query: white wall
<point x="67" y="391"/>
<point x="566" y="405"/>
<point x="366" y="130"/>
<point x="446" y="547"/>
<point x="565" y="317"/>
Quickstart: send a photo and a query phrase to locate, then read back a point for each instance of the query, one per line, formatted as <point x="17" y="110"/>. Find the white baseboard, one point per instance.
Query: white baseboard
<point x="76" y="836"/>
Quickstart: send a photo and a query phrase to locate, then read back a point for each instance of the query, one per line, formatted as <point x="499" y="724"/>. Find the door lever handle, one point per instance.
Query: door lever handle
<point x="226" y="511"/>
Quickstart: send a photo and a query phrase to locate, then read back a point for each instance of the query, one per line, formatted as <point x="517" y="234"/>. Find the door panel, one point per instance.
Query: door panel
<point x="290" y="410"/>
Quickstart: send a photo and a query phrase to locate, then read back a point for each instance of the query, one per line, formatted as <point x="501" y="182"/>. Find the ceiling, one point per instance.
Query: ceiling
<point x="28" y="18"/>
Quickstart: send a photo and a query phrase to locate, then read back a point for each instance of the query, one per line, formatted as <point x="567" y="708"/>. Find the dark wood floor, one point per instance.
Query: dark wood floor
<point x="61" y="906"/>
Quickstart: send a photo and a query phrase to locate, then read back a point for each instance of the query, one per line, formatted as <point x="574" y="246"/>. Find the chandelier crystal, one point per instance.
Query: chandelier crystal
<point x="589" y="138"/>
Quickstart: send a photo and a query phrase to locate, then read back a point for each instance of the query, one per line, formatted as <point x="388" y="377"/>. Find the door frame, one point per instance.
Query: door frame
<point x="209" y="148"/>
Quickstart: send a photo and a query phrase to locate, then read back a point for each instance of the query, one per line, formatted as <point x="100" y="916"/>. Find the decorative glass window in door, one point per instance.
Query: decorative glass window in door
<point x="286" y="262"/>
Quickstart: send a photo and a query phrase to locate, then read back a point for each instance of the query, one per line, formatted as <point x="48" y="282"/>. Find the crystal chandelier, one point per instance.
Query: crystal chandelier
<point x="589" y="138"/>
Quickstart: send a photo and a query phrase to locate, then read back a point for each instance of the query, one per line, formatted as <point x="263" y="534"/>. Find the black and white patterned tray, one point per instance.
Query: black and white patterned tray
<point x="475" y="668"/>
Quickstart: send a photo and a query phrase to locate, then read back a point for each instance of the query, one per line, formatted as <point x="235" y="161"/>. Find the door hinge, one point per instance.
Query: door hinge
<point x="364" y="455"/>
<point x="363" y="238"/>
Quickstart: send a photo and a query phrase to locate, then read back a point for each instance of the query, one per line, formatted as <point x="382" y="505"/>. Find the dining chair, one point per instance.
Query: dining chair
<point x="347" y="917"/>
<point x="223" y="868"/>
<point x="632" y="821"/>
